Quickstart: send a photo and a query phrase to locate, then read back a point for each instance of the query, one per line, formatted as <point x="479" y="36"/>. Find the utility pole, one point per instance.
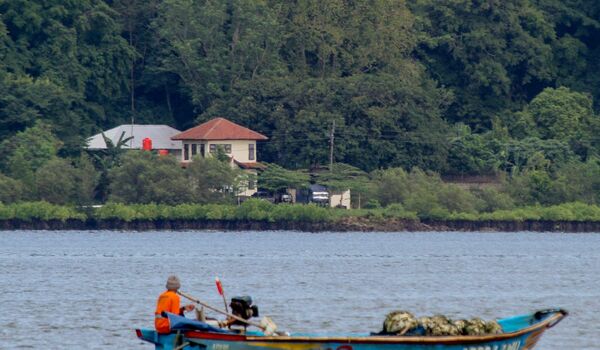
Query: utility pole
<point x="331" y="137"/>
<point x="132" y="76"/>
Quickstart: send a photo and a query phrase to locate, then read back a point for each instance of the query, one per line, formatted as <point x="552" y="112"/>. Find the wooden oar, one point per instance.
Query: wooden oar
<point x="268" y="327"/>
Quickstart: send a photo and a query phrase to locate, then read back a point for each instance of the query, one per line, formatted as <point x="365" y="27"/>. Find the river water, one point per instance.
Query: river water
<point x="89" y="290"/>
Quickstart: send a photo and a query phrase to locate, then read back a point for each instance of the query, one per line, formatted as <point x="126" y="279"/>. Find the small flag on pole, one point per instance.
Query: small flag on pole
<point x="220" y="289"/>
<point x="219" y="285"/>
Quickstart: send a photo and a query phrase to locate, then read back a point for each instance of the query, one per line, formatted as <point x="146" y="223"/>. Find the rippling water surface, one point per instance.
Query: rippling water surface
<point x="91" y="289"/>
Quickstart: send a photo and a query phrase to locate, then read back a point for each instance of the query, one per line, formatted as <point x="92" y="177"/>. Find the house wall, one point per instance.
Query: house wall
<point x="239" y="149"/>
<point x="188" y="143"/>
<point x="340" y="199"/>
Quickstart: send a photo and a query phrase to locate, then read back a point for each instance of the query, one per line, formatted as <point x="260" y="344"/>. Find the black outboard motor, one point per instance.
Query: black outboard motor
<point x="242" y="307"/>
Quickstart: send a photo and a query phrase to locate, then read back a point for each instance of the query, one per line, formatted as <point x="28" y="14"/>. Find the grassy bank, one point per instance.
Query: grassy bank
<point x="262" y="211"/>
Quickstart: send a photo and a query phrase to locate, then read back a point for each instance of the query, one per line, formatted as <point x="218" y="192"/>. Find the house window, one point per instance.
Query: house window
<point x="225" y="148"/>
<point x="194" y="149"/>
<point x="251" y="151"/>
<point x="186" y="152"/>
<point x="251" y="184"/>
<point x="202" y="150"/>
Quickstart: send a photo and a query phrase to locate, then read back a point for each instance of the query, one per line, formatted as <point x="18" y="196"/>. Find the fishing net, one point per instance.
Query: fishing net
<point x="405" y="323"/>
<point x="399" y="322"/>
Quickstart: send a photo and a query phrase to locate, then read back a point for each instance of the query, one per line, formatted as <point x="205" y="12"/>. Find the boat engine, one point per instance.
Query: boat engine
<point x="242" y="307"/>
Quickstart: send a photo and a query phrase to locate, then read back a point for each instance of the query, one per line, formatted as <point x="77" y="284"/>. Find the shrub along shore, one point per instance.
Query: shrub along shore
<point x="262" y="215"/>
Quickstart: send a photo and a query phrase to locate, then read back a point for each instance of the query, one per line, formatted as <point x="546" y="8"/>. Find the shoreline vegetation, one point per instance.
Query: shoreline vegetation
<point x="262" y="215"/>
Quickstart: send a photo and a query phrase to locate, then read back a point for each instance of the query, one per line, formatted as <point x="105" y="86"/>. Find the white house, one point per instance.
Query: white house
<point x="238" y="142"/>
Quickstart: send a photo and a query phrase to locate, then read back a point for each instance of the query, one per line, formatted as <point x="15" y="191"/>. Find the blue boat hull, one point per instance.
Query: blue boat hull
<point x="520" y="333"/>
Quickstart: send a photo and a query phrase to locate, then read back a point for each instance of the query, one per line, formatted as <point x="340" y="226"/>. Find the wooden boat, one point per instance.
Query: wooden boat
<point x="519" y="333"/>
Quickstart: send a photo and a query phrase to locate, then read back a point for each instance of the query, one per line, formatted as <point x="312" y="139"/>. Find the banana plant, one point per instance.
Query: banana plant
<point x="111" y="155"/>
<point x="107" y="159"/>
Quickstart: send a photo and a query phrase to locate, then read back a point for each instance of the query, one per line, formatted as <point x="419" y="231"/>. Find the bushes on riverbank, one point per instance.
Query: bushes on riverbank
<point x="426" y="194"/>
<point x="29" y="211"/>
<point x="262" y="211"/>
<point x="250" y="210"/>
<point x="562" y="212"/>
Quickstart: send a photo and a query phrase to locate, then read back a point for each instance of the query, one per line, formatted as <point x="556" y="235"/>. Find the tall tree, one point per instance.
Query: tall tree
<point x="26" y="151"/>
<point x="213" y="180"/>
<point x="577" y="45"/>
<point x="276" y="178"/>
<point x="147" y="178"/>
<point x="215" y="44"/>
<point x="565" y="116"/>
<point x="494" y="55"/>
<point x="61" y="182"/>
<point x="76" y="49"/>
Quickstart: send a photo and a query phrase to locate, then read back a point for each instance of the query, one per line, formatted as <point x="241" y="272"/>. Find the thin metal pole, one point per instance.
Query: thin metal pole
<point x="331" y="139"/>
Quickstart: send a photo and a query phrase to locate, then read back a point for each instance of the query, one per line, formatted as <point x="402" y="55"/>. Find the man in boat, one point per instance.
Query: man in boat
<point x="169" y="301"/>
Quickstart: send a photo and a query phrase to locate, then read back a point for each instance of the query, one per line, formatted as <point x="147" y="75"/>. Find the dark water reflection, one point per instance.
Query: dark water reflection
<point x="91" y="289"/>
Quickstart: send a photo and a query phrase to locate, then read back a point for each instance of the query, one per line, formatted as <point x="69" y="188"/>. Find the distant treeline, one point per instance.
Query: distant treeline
<point x="140" y="177"/>
<point x="464" y="87"/>
<point x="415" y="89"/>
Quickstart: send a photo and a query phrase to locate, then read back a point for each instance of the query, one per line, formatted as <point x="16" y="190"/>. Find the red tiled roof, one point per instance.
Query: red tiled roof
<point x="219" y="129"/>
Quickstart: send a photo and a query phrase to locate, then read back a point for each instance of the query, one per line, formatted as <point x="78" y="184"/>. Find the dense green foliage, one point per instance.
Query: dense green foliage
<point x="276" y="178"/>
<point x="11" y="190"/>
<point x="59" y="181"/>
<point x="29" y="211"/>
<point x="395" y="76"/>
<point x="255" y="210"/>
<point x="146" y="178"/>
<point x="28" y="150"/>
<point x="210" y="180"/>
<point x="414" y="88"/>
<point x="250" y="210"/>
<point x="62" y="62"/>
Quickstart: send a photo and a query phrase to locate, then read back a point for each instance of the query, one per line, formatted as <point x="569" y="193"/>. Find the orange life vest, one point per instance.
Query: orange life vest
<point x="169" y="302"/>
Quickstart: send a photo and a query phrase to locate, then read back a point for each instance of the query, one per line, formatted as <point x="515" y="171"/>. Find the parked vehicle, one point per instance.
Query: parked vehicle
<point x="262" y="194"/>
<point x="318" y="194"/>
<point x="285" y="198"/>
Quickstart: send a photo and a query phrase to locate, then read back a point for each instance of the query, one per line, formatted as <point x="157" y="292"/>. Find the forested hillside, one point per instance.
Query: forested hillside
<point x="457" y="87"/>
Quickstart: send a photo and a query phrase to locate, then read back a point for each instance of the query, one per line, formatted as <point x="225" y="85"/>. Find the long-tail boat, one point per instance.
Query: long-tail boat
<point x="518" y="333"/>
